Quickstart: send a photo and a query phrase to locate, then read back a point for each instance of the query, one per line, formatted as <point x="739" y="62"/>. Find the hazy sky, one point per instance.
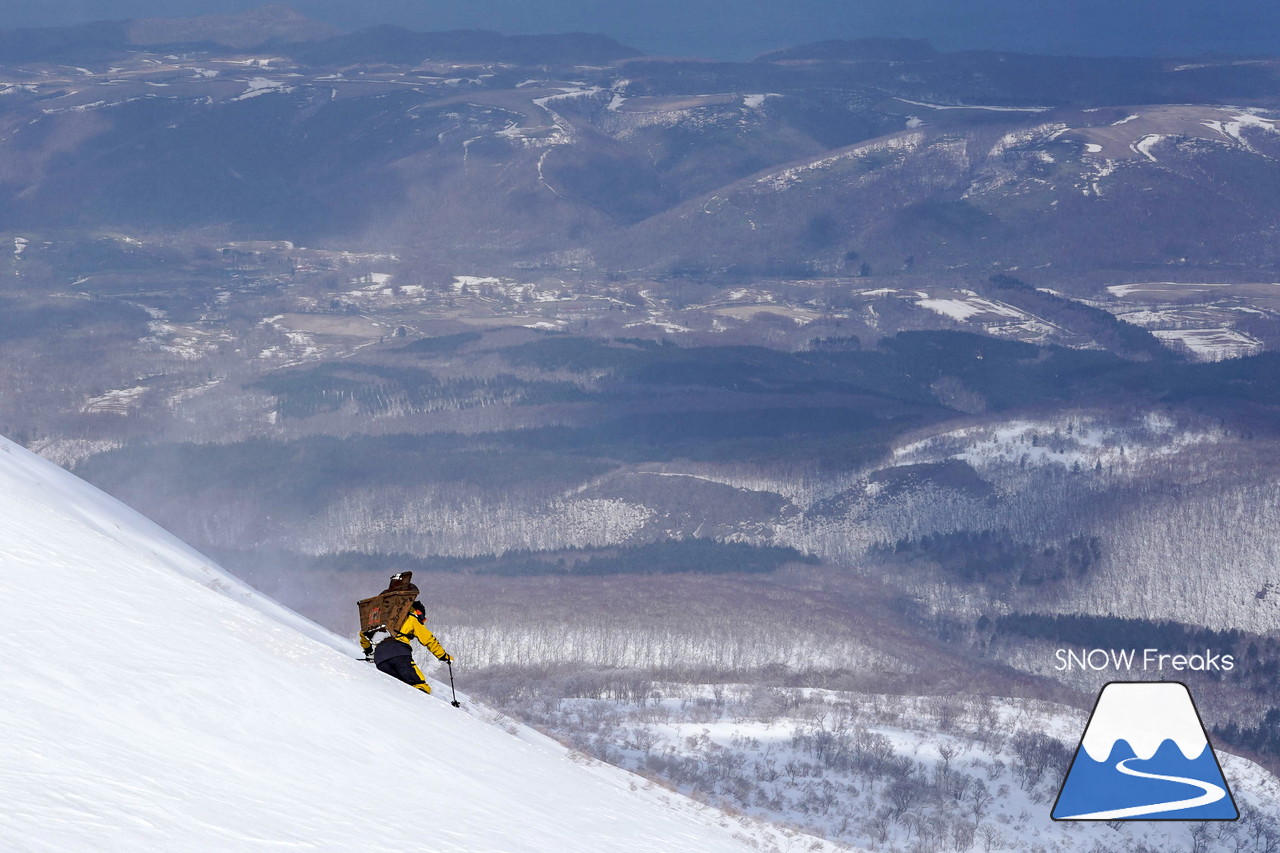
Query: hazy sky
<point x="741" y="29"/>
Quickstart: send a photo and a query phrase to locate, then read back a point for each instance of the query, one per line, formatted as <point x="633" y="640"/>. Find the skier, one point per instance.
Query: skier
<point x="394" y="655"/>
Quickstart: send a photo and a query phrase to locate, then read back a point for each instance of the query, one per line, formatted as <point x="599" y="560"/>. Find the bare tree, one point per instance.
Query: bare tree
<point x="978" y="799"/>
<point x="991" y="837"/>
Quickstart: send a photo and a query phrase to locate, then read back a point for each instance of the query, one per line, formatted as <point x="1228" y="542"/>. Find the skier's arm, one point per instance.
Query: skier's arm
<point x="429" y="640"/>
<point x="365" y="644"/>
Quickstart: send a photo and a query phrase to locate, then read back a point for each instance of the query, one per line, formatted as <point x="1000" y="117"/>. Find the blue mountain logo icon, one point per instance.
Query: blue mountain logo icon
<point x="1145" y="756"/>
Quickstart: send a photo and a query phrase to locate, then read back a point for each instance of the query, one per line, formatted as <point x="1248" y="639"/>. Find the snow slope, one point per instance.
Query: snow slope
<point x="235" y="724"/>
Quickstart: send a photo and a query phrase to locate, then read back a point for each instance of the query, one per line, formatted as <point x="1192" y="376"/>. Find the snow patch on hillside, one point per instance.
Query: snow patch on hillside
<point x="1082" y="441"/>
<point x="1233" y="128"/>
<point x="263" y="86"/>
<point x="969" y="307"/>
<point x="117" y="402"/>
<point x="755" y="102"/>
<point x="68" y="451"/>
<point x="435" y="521"/>
<point x="989" y="108"/>
<point x="1144" y="145"/>
<point x="1093" y="178"/>
<point x="1158" y="287"/>
<point x="1038" y="135"/>
<point x="785" y="178"/>
<point x="1212" y="344"/>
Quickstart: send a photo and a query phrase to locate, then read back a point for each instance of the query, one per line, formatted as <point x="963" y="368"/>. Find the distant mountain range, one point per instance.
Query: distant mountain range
<point x="280" y="26"/>
<point x="876" y="158"/>
<point x="703" y="28"/>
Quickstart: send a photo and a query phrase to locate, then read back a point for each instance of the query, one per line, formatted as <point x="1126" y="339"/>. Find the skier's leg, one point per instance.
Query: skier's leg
<point x="422" y="682"/>
<point x="407" y="671"/>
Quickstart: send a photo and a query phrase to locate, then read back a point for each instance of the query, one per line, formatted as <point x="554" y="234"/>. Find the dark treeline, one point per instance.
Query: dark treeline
<point x="1262" y="738"/>
<point x="685" y="555"/>
<point x="994" y="556"/>
<point x="298" y="475"/>
<point x="699" y="556"/>
<point x="1120" y="632"/>
<point x="869" y="398"/>
<point x="372" y="389"/>
<point x="1125" y="339"/>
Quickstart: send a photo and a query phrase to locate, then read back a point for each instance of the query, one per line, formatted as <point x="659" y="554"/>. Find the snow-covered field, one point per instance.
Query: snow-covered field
<point x="1212" y="344"/>
<point x="152" y="702"/>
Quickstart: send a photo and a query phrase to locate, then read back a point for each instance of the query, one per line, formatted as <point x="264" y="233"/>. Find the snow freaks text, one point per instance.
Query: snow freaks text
<point x="1145" y="660"/>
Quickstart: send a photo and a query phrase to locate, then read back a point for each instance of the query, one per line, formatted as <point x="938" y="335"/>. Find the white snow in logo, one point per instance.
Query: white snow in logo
<point x="1144" y="715"/>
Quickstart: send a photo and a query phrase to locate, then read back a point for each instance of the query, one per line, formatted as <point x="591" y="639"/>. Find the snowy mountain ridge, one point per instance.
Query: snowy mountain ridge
<point x="192" y="721"/>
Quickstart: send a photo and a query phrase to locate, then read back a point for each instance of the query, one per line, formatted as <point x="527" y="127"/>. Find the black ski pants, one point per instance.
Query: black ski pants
<point x="403" y="668"/>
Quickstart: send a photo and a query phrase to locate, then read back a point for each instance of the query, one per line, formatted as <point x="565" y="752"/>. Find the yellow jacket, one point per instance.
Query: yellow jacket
<point x="413" y="627"/>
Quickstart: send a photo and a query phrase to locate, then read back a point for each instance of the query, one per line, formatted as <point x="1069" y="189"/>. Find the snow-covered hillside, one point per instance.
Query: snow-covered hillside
<point x="895" y="774"/>
<point x="151" y="702"/>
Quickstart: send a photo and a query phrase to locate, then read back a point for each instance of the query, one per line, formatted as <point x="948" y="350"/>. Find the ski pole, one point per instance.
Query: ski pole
<point x="455" y="703"/>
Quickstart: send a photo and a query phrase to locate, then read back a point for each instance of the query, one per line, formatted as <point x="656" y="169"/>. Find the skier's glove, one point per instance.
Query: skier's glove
<point x="447" y="658"/>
